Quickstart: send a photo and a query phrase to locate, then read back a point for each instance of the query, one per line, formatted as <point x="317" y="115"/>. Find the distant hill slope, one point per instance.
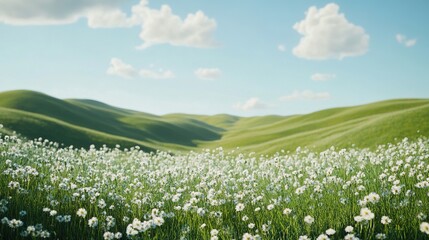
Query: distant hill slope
<point x="84" y="122"/>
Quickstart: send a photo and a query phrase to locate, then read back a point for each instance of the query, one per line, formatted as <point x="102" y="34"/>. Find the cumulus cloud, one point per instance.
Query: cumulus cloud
<point x="306" y="95"/>
<point x="251" y="104"/>
<point x="327" y="34"/>
<point x="160" y="74"/>
<point x="108" y="18"/>
<point x="158" y="26"/>
<point x="404" y="40"/>
<point x="46" y="12"/>
<point x="281" y="48"/>
<point x="119" y="68"/>
<point x="208" y="73"/>
<point x="322" y="76"/>
<point x="164" y="27"/>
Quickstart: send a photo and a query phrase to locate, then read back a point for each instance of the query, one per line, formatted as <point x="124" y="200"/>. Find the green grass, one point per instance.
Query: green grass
<point x="195" y="193"/>
<point x="84" y="122"/>
<point x="363" y="126"/>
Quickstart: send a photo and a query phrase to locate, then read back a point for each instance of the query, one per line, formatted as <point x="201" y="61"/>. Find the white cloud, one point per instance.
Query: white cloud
<point x="281" y="48"/>
<point x="119" y="68"/>
<point x="163" y="27"/>
<point x="322" y="76"/>
<point x="157" y="26"/>
<point x="327" y="34"/>
<point x="47" y="12"/>
<point x="208" y="73"/>
<point x="306" y="95"/>
<point x="108" y="18"/>
<point x="402" y="39"/>
<point x="160" y="74"/>
<point x="160" y="26"/>
<point x="251" y="104"/>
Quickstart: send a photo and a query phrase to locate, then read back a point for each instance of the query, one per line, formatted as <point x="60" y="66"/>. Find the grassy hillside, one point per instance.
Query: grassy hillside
<point x="364" y="126"/>
<point x="36" y="114"/>
<point x="84" y="122"/>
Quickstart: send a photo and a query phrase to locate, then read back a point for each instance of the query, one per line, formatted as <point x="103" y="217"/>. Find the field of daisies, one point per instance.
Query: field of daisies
<point x="67" y="193"/>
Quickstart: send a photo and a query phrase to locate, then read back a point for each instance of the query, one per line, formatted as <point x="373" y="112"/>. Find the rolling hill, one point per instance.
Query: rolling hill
<point x="84" y="122"/>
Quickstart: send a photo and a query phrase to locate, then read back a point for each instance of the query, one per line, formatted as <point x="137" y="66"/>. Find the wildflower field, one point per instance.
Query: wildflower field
<point x="68" y="193"/>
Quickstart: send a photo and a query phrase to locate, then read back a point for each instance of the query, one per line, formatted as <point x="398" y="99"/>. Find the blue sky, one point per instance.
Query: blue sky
<point x="209" y="57"/>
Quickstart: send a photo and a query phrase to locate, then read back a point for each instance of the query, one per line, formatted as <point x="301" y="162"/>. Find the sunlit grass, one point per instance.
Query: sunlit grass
<point x="114" y="194"/>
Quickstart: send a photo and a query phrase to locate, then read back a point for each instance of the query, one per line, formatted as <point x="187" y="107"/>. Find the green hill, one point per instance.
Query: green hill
<point x="84" y="122"/>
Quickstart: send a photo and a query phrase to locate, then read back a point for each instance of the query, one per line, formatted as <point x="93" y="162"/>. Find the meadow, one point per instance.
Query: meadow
<point x="112" y="193"/>
<point x="82" y="122"/>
